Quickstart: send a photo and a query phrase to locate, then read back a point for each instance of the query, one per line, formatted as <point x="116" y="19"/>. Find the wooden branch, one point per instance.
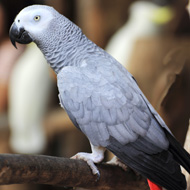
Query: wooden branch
<point x="20" y="169"/>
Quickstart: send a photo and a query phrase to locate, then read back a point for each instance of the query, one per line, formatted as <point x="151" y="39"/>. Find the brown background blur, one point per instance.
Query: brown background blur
<point x="160" y="64"/>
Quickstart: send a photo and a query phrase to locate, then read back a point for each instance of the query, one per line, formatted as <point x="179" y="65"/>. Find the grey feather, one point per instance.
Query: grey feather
<point x="104" y="101"/>
<point x="132" y="117"/>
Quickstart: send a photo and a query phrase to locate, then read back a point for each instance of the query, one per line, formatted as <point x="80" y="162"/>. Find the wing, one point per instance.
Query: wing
<point x="107" y="105"/>
<point x="107" y="102"/>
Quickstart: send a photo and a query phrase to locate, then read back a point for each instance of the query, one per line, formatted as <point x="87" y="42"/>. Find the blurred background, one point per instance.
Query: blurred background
<point x="150" y="38"/>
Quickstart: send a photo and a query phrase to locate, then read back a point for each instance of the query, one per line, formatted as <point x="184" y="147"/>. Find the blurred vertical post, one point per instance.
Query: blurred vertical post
<point x="89" y="18"/>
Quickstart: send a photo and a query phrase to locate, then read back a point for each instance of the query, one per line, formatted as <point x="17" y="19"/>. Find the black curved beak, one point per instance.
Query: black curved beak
<point x="19" y="35"/>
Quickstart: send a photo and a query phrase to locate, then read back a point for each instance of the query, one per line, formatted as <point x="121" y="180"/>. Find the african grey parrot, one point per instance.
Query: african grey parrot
<point x="103" y="99"/>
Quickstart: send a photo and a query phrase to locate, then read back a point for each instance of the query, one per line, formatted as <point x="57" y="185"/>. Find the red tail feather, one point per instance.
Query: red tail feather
<point x="153" y="186"/>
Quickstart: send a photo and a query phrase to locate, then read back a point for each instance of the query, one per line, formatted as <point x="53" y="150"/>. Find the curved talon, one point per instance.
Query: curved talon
<point x="98" y="176"/>
<point x="90" y="160"/>
<point x="94" y="169"/>
<point x="96" y="156"/>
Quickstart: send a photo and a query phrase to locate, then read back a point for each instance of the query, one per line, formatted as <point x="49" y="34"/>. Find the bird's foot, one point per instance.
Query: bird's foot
<point x="116" y="161"/>
<point x="96" y="156"/>
<point x="90" y="159"/>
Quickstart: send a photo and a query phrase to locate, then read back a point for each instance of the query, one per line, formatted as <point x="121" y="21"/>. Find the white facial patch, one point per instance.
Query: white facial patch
<point x="34" y="20"/>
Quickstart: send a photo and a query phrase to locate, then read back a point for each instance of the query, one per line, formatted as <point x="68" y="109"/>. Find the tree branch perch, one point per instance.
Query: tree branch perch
<point x="20" y="169"/>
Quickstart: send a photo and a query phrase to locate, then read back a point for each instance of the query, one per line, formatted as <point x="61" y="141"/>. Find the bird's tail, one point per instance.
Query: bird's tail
<point x="179" y="153"/>
<point x="153" y="186"/>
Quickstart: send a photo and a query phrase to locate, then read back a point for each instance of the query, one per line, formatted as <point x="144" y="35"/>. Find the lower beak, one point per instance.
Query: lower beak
<point x="19" y="35"/>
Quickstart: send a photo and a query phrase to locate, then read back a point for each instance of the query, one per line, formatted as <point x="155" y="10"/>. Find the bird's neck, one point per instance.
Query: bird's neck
<point x="69" y="51"/>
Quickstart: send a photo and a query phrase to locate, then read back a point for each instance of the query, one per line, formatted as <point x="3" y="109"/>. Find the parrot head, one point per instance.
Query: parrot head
<point x="30" y="23"/>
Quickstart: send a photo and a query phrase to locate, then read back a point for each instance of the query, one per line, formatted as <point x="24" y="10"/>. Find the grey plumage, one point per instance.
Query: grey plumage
<point x="104" y="101"/>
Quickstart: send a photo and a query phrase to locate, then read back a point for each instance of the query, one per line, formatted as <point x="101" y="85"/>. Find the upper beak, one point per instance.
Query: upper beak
<point x="19" y="35"/>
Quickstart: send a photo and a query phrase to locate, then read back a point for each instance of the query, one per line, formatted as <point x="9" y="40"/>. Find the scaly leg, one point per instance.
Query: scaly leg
<point x="116" y="161"/>
<point x="96" y="156"/>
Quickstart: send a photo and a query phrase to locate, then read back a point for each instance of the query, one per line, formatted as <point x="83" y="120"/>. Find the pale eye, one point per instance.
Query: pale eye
<point x="37" y="18"/>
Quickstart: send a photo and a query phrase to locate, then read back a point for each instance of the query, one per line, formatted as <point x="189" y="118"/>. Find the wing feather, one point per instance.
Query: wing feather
<point x="111" y="103"/>
<point x="115" y="114"/>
